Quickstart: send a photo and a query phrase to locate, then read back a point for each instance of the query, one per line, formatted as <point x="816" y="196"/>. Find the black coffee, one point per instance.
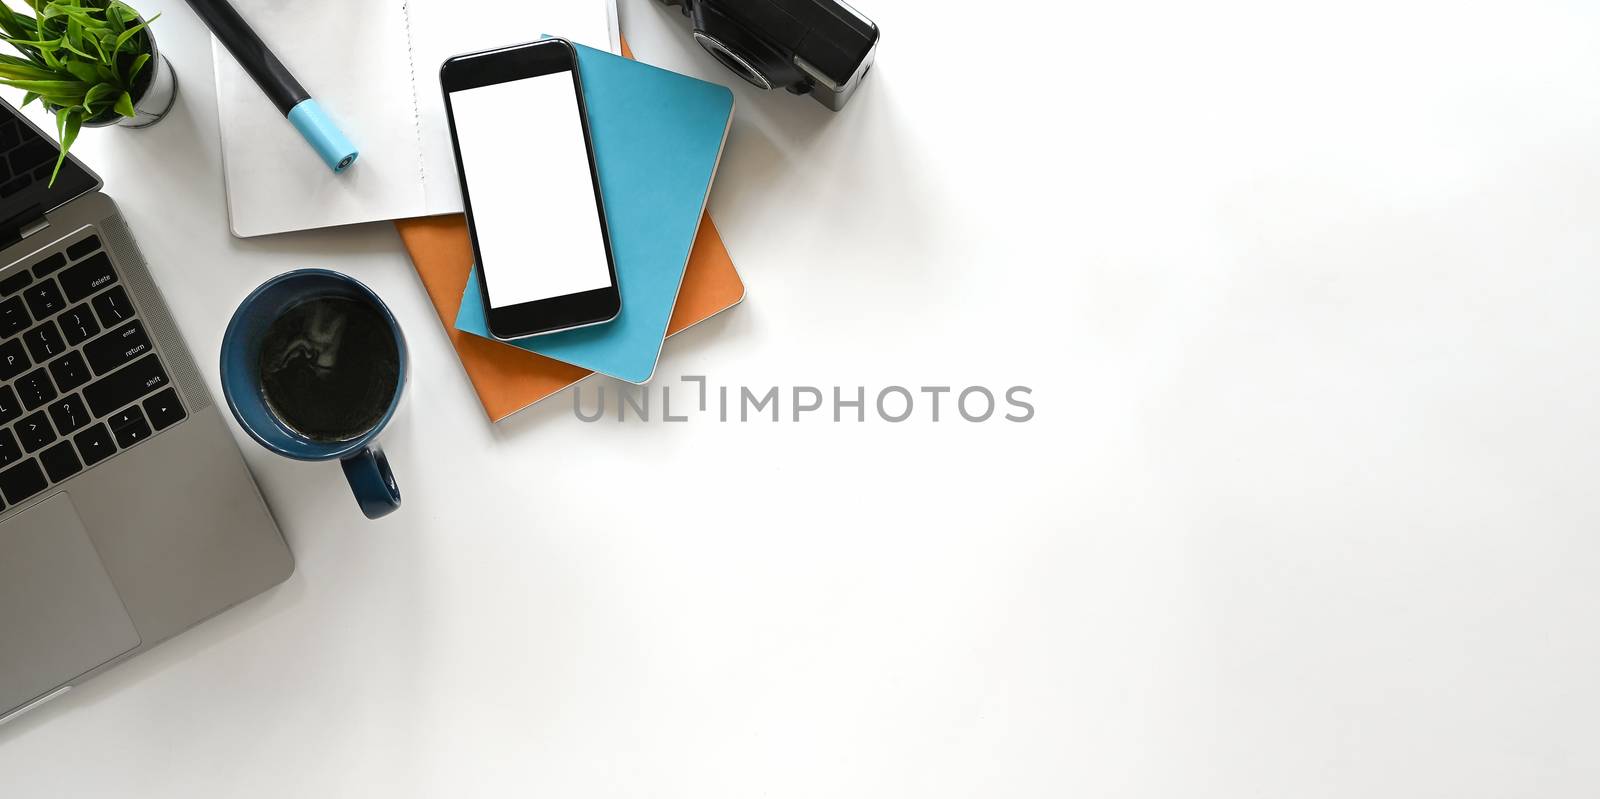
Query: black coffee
<point x="329" y="368"/>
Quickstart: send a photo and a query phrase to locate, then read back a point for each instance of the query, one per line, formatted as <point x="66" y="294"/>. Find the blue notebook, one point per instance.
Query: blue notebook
<point x="657" y="138"/>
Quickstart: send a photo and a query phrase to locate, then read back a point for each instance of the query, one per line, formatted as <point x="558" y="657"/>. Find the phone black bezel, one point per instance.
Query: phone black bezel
<point x="503" y="65"/>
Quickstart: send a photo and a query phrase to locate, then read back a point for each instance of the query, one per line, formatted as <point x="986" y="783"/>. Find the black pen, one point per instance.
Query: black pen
<point x="274" y="79"/>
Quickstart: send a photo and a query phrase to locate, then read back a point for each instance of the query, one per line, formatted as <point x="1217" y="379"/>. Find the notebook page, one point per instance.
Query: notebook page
<point x="352" y="56"/>
<point x="439" y="30"/>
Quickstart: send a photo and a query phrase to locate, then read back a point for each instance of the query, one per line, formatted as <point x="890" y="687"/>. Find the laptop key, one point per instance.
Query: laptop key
<point x="117" y="347"/>
<point x="60" y="461"/>
<point x="34" y="431"/>
<point x="49" y="264"/>
<point x="164" y="409"/>
<point x="69" y="414"/>
<point x="10" y="408"/>
<point x="113" y="307"/>
<point x="78" y="324"/>
<point x="82" y="248"/>
<point x="124" y="386"/>
<point x="14" y="317"/>
<point x="22" y="481"/>
<point x="44" y="298"/>
<point x="44" y="342"/>
<point x="35" y="389"/>
<point x="13" y="359"/>
<point x="10" y="450"/>
<point x="16" y="283"/>
<point x="124" y="417"/>
<point x="88" y="277"/>
<point x="129" y="427"/>
<point x="94" y="443"/>
<point x="69" y="371"/>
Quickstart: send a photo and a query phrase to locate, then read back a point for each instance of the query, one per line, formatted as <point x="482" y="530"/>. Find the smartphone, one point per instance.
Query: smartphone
<point x="532" y="194"/>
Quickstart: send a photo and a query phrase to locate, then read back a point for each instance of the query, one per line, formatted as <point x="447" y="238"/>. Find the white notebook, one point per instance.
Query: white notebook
<point x="373" y="65"/>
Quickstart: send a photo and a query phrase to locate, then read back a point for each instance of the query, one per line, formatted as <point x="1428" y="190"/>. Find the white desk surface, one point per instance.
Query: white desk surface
<point x="1307" y="299"/>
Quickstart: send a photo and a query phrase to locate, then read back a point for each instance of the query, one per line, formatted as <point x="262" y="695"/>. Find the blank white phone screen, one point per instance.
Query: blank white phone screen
<point x="534" y="208"/>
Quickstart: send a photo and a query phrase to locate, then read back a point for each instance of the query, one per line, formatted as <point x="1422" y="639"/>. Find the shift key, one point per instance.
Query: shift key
<point x="125" y="386"/>
<point x="117" y="347"/>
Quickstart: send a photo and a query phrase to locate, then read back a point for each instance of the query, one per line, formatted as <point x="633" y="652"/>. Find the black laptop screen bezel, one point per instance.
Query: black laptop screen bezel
<point x="40" y="198"/>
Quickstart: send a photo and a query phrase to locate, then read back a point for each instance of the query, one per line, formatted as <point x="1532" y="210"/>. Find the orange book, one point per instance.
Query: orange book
<point x="509" y="379"/>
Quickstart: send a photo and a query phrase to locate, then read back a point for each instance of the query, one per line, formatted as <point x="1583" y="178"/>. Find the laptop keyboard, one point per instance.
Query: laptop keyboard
<point x="24" y="156"/>
<point x="79" y="377"/>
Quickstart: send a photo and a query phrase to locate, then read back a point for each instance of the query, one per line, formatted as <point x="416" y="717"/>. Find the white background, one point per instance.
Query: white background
<point x="1307" y="297"/>
<point x="533" y="197"/>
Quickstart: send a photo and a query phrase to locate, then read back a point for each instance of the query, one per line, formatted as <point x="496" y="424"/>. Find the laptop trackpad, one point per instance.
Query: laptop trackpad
<point x="59" y="614"/>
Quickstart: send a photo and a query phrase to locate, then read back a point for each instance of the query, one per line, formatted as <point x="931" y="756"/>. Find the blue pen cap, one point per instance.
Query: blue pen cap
<point x="325" y="137"/>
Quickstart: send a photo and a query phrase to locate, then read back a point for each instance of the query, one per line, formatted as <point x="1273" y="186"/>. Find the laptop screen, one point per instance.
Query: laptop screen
<point x="27" y="158"/>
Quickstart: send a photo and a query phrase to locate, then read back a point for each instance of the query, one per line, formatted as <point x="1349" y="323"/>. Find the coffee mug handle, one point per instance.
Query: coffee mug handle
<point x="372" y="482"/>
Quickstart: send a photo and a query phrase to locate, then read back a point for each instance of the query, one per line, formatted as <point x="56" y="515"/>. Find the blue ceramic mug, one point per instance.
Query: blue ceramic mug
<point x="365" y="466"/>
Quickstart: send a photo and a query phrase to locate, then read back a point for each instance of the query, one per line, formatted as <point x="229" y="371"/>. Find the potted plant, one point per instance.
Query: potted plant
<point x="90" y="62"/>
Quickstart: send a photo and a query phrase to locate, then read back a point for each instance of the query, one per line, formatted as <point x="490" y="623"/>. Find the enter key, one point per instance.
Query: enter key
<point x="117" y="347"/>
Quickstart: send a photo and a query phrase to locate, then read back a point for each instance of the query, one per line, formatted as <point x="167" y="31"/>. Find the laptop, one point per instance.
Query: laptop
<point x="126" y="511"/>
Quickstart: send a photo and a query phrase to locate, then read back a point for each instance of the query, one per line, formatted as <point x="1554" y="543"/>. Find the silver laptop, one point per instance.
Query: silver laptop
<point x="126" y="512"/>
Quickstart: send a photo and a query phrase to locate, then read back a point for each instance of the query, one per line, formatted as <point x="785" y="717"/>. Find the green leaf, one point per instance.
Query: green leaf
<point x="28" y="72"/>
<point x="72" y="12"/>
<point x="84" y="71"/>
<point x="138" y="64"/>
<point x="69" y="46"/>
<point x="37" y="44"/>
<point x="68" y="121"/>
<point x="48" y="88"/>
<point x="14" y="24"/>
<point x="28" y="98"/>
<point x="125" y="105"/>
<point x="16" y="61"/>
<point x="100" y="97"/>
<point x="131" y="32"/>
<point x="70" y="134"/>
